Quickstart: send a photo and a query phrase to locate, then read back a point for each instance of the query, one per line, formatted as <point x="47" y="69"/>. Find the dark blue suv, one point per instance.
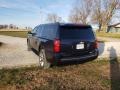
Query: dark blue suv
<point x="59" y="42"/>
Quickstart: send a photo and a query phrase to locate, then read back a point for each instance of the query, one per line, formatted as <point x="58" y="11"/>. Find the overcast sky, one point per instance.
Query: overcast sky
<point x="30" y="12"/>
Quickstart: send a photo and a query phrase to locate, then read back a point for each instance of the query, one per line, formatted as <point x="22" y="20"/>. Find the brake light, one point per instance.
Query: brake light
<point x="96" y="44"/>
<point x="56" y="45"/>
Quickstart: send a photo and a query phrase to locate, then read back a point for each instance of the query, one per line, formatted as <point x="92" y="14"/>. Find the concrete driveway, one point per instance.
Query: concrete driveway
<point x="108" y="39"/>
<point x="109" y="50"/>
<point x="13" y="52"/>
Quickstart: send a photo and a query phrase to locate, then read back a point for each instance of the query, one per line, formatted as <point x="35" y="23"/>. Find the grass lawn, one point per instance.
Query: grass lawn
<point x="93" y="75"/>
<point x="22" y="34"/>
<point x="111" y="35"/>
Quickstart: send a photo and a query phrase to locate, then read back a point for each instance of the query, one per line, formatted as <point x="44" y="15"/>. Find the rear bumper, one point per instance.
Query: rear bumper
<point x="78" y="58"/>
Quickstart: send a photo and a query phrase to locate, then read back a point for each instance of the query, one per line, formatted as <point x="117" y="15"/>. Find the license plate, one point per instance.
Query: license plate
<point x="80" y="46"/>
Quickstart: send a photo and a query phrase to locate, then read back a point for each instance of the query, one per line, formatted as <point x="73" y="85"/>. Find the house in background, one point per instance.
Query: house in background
<point x="114" y="28"/>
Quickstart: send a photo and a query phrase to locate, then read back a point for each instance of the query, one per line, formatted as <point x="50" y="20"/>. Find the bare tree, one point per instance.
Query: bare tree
<point x="103" y="12"/>
<point x="74" y="16"/>
<point x="53" y="18"/>
<point x="110" y="9"/>
<point x="81" y="11"/>
<point x="97" y="16"/>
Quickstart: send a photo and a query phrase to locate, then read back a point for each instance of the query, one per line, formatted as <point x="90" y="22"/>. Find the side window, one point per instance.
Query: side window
<point x="48" y="31"/>
<point x="39" y="31"/>
<point x="44" y="32"/>
<point x="52" y="32"/>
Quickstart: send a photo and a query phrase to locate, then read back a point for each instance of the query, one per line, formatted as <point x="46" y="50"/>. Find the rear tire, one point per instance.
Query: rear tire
<point x="42" y="60"/>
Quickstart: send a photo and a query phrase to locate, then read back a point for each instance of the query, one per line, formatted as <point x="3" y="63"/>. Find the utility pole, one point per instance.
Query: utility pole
<point x="41" y="15"/>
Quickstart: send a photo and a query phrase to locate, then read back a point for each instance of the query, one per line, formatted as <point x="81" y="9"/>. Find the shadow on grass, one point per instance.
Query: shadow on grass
<point x="114" y="70"/>
<point x="68" y="63"/>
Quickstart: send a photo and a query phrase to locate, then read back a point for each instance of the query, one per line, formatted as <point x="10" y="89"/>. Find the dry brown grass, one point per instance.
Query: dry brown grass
<point x="109" y="35"/>
<point x="22" y="34"/>
<point x="93" y="75"/>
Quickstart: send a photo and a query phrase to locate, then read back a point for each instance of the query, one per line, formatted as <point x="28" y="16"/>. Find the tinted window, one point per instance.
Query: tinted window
<point x="51" y="32"/>
<point x="48" y="31"/>
<point x="39" y="31"/>
<point x="84" y="33"/>
<point x="43" y="32"/>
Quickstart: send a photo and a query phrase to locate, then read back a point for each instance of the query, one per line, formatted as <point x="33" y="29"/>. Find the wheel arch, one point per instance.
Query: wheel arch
<point x="40" y="46"/>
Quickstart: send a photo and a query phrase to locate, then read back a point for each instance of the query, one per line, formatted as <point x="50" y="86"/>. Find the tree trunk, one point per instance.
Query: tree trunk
<point x="99" y="27"/>
<point x="105" y="28"/>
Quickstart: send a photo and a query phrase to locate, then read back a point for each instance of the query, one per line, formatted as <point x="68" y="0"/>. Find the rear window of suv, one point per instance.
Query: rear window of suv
<point x="84" y="33"/>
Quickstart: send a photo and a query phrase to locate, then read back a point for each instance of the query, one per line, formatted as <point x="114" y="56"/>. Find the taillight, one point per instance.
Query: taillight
<point x="56" y="45"/>
<point x="96" y="44"/>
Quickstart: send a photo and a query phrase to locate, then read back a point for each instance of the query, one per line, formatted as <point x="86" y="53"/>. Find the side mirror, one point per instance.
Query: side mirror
<point x="33" y="34"/>
<point x="29" y="32"/>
